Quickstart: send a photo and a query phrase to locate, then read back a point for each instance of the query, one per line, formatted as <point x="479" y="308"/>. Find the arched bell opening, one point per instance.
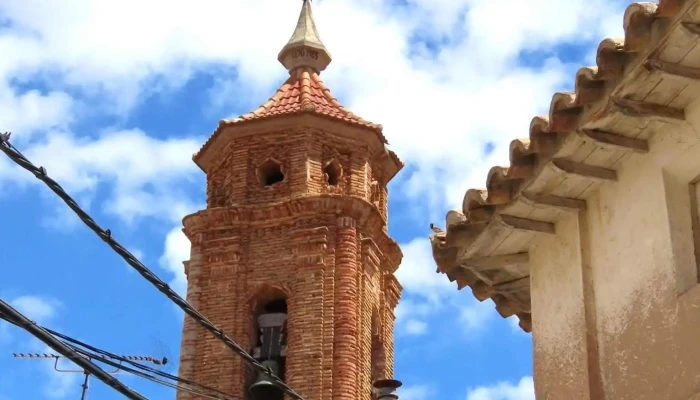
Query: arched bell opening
<point x="269" y="314"/>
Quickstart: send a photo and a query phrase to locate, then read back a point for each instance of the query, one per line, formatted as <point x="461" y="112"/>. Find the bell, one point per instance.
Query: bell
<point x="263" y="388"/>
<point x="386" y="389"/>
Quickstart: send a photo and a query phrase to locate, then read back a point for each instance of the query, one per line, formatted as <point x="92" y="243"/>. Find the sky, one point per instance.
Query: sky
<point x="113" y="98"/>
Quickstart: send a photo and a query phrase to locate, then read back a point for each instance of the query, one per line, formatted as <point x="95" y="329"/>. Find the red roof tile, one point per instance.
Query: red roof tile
<point x="305" y="92"/>
<point x="592" y="89"/>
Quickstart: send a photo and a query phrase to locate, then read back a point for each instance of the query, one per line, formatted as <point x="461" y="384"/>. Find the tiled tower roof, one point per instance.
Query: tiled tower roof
<point x="304" y="56"/>
<point x="305" y="92"/>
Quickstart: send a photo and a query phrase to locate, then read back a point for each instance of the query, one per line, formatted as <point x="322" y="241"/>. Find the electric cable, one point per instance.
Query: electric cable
<point x="150" y="377"/>
<point x="9" y="314"/>
<point x="105" y="358"/>
<point x="106" y="235"/>
<point x="130" y="360"/>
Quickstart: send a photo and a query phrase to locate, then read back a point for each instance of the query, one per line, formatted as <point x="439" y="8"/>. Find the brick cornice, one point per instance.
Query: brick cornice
<point x="372" y="256"/>
<point x="346" y="222"/>
<point x="247" y="216"/>
<point x="217" y="144"/>
<point x="392" y="289"/>
<point x="309" y="245"/>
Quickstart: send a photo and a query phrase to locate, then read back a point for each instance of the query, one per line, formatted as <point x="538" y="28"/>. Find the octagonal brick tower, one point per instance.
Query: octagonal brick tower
<point x="293" y="245"/>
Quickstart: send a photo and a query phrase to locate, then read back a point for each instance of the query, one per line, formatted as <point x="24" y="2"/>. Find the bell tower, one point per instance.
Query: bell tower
<point x="292" y="257"/>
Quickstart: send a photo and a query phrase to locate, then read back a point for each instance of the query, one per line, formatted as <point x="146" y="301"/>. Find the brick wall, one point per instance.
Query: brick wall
<point x="324" y="248"/>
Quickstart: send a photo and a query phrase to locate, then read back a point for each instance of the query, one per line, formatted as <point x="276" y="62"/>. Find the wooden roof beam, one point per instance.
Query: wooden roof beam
<point x="673" y="69"/>
<point x="525" y="224"/>
<point x="608" y="139"/>
<point x="584" y="170"/>
<point x="495" y="262"/>
<point x="640" y="109"/>
<point x="514" y="285"/>
<point x="692" y="27"/>
<point x="548" y="200"/>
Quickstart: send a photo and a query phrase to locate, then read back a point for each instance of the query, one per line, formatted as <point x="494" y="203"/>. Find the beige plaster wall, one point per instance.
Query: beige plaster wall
<point x="558" y="315"/>
<point x="644" y="271"/>
<point x="639" y="303"/>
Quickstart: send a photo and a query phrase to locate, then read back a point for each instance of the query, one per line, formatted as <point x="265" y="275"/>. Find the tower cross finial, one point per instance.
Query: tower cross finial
<point x="305" y="48"/>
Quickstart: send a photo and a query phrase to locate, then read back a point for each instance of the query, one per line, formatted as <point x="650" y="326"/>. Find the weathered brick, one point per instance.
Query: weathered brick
<point x="323" y="247"/>
<point x="317" y="237"/>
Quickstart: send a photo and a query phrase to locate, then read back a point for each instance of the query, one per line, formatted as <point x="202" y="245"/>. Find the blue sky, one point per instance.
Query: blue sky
<point x="114" y="97"/>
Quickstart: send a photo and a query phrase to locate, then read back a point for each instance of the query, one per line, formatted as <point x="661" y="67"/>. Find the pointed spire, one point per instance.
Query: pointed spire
<point x="305" y="48"/>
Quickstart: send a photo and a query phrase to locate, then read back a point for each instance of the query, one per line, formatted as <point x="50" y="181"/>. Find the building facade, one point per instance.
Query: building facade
<point x="292" y="257"/>
<point x="591" y="236"/>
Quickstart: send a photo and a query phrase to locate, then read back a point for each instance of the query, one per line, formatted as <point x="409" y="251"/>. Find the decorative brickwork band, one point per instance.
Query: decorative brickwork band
<point x="309" y="246"/>
<point x="392" y="289"/>
<point x="346" y="349"/>
<point x="304" y="369"/>
<point x="371" y="257"/>
<point x="346" y="222"/>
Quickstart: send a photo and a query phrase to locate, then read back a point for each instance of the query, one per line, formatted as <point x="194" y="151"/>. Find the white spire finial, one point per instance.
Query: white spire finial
<point x="305" y="48"/>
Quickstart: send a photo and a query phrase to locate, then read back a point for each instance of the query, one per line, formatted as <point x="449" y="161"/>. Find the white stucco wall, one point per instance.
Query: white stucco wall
<point x="645" y="300"/>
<point x="558" y="314"/>
<point x="644" y="271"/>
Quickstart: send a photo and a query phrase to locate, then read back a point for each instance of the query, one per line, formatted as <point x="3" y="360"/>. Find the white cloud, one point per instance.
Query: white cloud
<point x="440" y="105"/>
<point x="414" y="310"/>
<point x="139" y="254"/>
<point x="418" y="274"/>
<point x="60" y="385"/>
<point x="428" y="292"/>
<point x="42" y="310"/>
<point x="416" y="392"/>
<point x="424" y="288"/>
<point x="86" y="42"/>
<point x="142" y="173"/>
<point x="415" y="327"/>
<point x="457" y="94"/>
<point x="177" y="250"/>
<point x="37" y="308"/>
<point x="523" y="390"/>
<point x="475" y="314"/>
<point x="30" y="111"/>
<point x="514" y="323"/>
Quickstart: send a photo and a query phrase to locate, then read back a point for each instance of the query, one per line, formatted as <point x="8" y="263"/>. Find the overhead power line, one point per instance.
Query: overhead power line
<point x="93" y="353"/>
<point x="96" y="352"/>
<point x="85" y="386"/>
<point x="106" y="235"/>
<point x="216" y="395"/>
<point x="8" y="313"/>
